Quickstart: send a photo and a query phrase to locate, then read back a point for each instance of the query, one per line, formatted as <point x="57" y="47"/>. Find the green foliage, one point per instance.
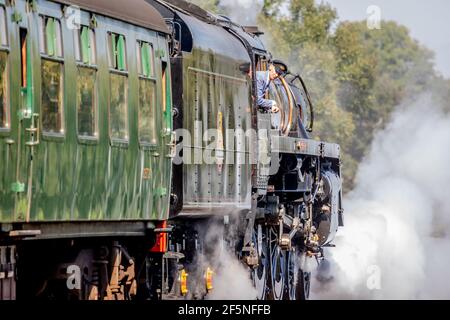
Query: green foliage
<point x="356" y="76"/>
<point x="377" y="70"/>
<point x="303" y="39"/>
<point x="209" y="5"/>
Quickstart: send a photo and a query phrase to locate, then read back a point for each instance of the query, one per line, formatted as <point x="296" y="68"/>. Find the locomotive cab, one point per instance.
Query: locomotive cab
<point x="295" y="118"/>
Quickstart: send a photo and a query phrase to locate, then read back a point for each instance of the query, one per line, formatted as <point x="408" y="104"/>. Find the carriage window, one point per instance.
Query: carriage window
<point x="4" y="105"/>
<point x="145" y="59"/>
<point x="85" y="54"/>
<point x="85" y="51"/>
<point x="50" y="36"/>
<point x="86" y="100"/>
<point x="118" y="113"/>
<point x="117" y="51"/>
<point x="147" y="93"/>
<point x="51" y="75"/>
<point x="4" y="116"/>
<point x="118" y="107"/>
<point x="3" y="31"/>
<point x="147" y="116"/>
<point x="52" y="96"/>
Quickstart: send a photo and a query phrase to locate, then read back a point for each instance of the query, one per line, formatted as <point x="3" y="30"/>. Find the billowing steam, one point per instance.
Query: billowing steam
<point x="396" y="239"/>
<point x="244" y="12"/>
<point x="231" y="280"/>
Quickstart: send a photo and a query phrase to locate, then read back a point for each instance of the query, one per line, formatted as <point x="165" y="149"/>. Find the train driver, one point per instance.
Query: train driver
<point x="263" y="79"/>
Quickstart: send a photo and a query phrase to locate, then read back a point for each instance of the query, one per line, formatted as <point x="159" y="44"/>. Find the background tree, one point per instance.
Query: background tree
<point x="356" y="76"/>
<point x="210" y="5"/>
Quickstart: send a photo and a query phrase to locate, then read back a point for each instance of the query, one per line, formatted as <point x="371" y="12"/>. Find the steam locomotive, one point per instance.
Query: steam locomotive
<point x="132" y="148"/>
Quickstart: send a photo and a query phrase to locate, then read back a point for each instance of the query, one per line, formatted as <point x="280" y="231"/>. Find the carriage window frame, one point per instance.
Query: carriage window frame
<point x="117" y="52"/>
<point x="143" y="77"/>
<point x="87" y="44"/>
<point x="118" y="67"/>
<point x="57" y="56"/>
<point x="143" y="65"/>
<point x="48" y="49"/>
<point x="4" y="49"/>
<point x="4" y="39"/>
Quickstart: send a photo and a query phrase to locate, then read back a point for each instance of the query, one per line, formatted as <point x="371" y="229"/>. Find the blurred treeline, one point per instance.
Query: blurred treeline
<point x="356" y="76"/>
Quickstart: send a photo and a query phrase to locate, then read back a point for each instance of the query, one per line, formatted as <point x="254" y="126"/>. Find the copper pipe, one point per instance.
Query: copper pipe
<point x="286" y="128"/>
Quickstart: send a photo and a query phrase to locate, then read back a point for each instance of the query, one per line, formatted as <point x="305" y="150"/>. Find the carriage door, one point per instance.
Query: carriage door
<point x="24" y="122"/>
<point x="8" y="124"/>
<point x="27" y="118"/>
<point x="28" y="135"/>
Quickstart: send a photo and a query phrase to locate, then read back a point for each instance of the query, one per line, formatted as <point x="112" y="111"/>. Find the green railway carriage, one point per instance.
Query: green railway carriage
<point x="85" y="120"/>
<point x="85" y="125"/>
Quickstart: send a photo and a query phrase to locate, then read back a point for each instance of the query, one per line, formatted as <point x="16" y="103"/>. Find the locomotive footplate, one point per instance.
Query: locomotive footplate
<point x="310" y="147"/>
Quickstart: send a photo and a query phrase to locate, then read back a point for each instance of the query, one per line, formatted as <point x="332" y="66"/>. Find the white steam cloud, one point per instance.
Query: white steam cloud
<point x="244" y="12"/>
<point x="396" y="239"/>
<point x="231" y="280"/>
<point x="242" y="4"/>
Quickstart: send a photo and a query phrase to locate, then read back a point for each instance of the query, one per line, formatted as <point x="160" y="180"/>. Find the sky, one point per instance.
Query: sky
<point x="428" y="20"/>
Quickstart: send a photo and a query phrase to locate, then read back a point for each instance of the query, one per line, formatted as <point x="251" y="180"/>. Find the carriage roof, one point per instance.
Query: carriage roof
<point x="137" y="12"/>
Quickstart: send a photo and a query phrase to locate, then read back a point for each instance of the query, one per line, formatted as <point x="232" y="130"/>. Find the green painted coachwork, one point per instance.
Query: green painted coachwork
<point x="72" y="177"/>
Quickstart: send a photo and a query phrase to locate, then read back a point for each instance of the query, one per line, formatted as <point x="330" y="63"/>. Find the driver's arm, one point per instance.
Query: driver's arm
<point x="263" y="103"/>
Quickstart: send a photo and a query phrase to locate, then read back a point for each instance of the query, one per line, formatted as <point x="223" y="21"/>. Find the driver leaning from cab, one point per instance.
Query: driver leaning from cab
<point x="263" y="79"/>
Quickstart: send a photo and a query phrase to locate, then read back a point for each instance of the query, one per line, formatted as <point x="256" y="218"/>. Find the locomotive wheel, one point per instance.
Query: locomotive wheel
<point x="297" y="282"/>
<point x="259" y="274"/>
<point x="277" y="267"/>
<point x="304" y="285"/>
